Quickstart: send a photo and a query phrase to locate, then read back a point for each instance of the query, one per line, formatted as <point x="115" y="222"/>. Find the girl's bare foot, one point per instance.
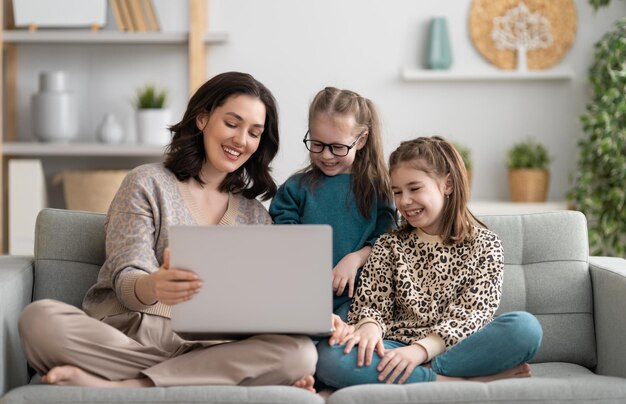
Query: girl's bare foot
<point x="74" y="376"/>
<point x="518" y="371"/>
<point x="306" y="383"/>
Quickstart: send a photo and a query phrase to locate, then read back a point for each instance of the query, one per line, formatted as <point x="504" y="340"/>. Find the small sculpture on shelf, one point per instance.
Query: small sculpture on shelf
<point x="110" y="130"/>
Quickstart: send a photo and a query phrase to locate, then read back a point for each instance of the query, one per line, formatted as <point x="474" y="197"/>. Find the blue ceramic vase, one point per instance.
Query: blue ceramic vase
<point x="438" y="51"/>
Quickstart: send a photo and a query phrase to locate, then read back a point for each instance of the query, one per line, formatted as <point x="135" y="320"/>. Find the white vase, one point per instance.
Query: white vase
<point x="152" y="126"/>
<point x="55" y="115"/>
<point x="110" y="130"/>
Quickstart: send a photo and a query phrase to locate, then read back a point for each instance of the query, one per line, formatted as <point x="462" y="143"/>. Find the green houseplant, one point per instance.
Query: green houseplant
<point x="599" y="181"/>
<point x="153" y="119"/>
<point x="466" y="155"/>
<point x="528" y="163"/>
<point x="149" y="97"/>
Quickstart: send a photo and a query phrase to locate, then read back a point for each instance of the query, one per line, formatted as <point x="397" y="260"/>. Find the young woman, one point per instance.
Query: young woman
<point x="216" y="165"/>
<point x="424" y="306"/>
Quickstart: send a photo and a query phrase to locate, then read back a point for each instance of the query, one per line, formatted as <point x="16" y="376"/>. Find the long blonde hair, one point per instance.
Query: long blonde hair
<point x="370" y="179"/>
<point x="438" y="158"/>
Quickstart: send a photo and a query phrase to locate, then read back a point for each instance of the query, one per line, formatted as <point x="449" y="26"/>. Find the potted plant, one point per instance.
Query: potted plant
<point x="466" y="155"/>
<point x="598" y="189"/>
<point x="153" y="119"/>
<point x="528" y="162"/>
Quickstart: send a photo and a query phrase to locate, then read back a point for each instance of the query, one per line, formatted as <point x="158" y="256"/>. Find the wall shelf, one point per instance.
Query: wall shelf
<point x="412" y="74"/>
<point x="106" y="37"/>
<point x="36" y="149"/>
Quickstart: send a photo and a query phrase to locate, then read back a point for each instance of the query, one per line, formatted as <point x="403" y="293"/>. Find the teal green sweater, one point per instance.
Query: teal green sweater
<point x="332" y="202"/>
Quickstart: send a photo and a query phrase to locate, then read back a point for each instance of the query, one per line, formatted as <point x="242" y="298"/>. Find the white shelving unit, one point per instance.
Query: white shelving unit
<point x="490" y="74"/>
<point x="36" y="149"/>
<point x="56" y="157"/>
<point x="106" y="37"/>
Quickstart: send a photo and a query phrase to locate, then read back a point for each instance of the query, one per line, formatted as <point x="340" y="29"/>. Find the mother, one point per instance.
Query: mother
<point x="215" y="167"/>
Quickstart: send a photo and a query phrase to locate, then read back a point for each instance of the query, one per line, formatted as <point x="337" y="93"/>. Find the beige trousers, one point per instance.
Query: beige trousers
<point x="133" y="345"/>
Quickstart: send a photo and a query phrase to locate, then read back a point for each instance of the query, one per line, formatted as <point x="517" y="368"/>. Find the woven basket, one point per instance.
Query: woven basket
<point x="529" y="185"/>
<point x="90" y="190"/>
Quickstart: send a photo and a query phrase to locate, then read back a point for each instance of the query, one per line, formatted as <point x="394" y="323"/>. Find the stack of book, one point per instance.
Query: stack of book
<point x="135" y="15"/>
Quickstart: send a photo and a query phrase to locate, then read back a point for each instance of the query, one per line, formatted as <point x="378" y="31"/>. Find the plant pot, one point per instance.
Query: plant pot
<point x="528" y="185"/>
<point x="152" y="126"/>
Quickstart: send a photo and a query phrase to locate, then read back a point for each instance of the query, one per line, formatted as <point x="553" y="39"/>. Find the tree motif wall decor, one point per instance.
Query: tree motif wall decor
<point x="533" y="34"/>
<point x="521" y="30"/>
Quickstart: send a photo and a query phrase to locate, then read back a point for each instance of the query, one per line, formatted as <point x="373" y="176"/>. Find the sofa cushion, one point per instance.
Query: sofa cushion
<point x="69" y="251"/>
<point x="190" y="394"/>
<point x="552" y="382"/>
<point x="546" y="273"/>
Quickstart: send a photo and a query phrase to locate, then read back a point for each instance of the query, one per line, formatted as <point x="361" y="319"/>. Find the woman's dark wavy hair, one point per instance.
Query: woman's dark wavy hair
<point x="185" y="154"/>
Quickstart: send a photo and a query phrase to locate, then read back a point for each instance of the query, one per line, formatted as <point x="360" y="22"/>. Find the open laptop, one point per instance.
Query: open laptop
<point x="257" y="279"/>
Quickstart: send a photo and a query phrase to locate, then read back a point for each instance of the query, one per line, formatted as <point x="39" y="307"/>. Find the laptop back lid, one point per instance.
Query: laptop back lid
<point x="256" y="280"/>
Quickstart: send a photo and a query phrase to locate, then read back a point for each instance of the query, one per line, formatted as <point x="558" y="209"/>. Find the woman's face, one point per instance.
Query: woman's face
<point x="232" y="133"/>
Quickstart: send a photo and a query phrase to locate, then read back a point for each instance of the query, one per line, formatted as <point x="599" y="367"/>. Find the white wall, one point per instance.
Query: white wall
<point x="297" y="47"/>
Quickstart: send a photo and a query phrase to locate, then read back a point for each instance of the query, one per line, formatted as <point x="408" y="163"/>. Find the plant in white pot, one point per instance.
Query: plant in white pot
<point x="153" y="119"/>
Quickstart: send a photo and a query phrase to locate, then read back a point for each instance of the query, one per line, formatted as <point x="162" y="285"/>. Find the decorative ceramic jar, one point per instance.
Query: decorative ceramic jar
<point x="438" y="51"/>
<point x="110" y="130"/>
<point x="55" y="115"/>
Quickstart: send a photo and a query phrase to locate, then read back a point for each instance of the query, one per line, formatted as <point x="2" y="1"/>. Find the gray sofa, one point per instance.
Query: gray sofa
<point x="581" y="303"/>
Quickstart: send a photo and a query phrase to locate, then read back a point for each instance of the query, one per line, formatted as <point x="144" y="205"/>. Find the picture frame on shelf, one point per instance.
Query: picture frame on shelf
<point x="33" y="14"/>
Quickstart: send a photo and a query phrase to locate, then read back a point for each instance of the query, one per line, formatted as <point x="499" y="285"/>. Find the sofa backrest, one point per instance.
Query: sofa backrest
<point x="546" y="272"/>
<point x="69" y="251"/>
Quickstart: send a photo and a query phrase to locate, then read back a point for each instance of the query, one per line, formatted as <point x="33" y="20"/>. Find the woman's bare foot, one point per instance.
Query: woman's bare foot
<point x="74" y="376"/>
<point x="306" y="383"/>
<point x="518" y="371"/>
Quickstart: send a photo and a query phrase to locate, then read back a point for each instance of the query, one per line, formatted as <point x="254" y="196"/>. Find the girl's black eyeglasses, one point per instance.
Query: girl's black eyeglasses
<point x="337" y="149"/>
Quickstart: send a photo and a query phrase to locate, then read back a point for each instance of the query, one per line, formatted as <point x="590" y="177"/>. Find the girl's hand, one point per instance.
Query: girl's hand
<point x="368" y="338"/>
<point x="344" y="274"/>
<point x="399" y="360"/>
<point x="172" y="286"/>
<point x="341" y="331"/>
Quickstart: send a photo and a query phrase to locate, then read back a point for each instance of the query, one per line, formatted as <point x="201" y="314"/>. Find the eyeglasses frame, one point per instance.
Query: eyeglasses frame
<point x="330" y="145"/>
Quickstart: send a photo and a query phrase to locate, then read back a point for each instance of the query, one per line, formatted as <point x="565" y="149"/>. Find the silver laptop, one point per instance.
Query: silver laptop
<point x="256" y="280"/>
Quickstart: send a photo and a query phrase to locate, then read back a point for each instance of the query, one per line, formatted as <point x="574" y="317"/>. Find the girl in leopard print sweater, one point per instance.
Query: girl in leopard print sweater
<point x="425" y="304"/>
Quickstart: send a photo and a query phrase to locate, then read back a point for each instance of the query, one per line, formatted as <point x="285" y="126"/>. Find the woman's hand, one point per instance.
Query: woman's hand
<point x="401" y="361"/>
<point x="168" y="285"/>
<point x="341" y="331"/>
<point x="369" y="338"/>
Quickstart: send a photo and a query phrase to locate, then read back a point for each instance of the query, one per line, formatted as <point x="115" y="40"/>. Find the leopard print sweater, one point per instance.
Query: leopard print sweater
<point x="415" y="287"/>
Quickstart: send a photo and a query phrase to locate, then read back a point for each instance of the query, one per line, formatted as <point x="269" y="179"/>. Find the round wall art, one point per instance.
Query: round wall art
<point x="521" y="34"/>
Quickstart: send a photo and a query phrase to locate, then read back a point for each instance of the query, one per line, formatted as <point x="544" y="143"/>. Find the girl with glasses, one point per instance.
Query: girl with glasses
<point x="346" y="185"/>
<point x="424" y="308"/>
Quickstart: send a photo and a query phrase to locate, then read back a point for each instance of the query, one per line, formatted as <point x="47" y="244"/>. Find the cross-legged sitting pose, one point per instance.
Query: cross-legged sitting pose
<point x="424" y="306"/>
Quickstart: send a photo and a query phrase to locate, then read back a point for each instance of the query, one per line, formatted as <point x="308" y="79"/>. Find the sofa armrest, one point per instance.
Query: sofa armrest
<point x="16" y="291"/>
<point x="608" y="277"/>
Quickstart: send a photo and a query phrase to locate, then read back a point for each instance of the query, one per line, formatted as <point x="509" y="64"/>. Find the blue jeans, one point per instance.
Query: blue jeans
<point x="509" y="340"/>
<point x="343" y="310"/>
